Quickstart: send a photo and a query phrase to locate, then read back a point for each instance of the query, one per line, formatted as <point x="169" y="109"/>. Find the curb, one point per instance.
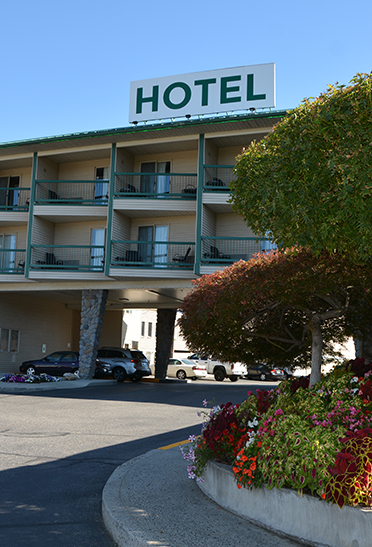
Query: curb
<point x="307" y="519"/>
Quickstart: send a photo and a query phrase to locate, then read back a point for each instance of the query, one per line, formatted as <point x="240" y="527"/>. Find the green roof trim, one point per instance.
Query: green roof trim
<point x="146" y="127"/>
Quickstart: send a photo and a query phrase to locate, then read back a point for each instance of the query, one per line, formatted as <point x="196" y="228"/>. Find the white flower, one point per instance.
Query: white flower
<point x="355" y="379"/>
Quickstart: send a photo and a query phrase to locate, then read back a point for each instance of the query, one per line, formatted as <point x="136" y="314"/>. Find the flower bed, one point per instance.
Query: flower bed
<point x="316" y="441"/>
<point x="29" y="378"/>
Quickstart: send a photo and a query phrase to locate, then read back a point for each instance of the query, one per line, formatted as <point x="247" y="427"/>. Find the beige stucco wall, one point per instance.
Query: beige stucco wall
<point x="40" y="321"/>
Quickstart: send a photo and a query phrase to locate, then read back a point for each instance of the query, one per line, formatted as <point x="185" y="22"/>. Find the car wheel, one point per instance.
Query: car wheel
<point x="181" y="374"/>
<point x="233" y="378"/>
<point x="219" y="375"/>
<point x="119" y="374"/>
<point x="30" y="370"/>
<point x="262" y="377"/>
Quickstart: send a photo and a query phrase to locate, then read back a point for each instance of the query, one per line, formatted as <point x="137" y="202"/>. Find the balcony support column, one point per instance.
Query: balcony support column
<point x="164" y="340"/>
<point x="93" y="306"/>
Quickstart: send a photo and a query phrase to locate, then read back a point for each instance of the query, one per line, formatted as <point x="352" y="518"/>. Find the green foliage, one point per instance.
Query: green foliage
<point x="351" y="481"/>
<point x="316" y="440"/>
<point x="309" y="182"/>
<point x="261" y="310"/>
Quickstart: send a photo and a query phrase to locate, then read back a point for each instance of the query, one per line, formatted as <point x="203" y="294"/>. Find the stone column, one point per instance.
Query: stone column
<point x="164" y="340"/>
<point x="93" y="305"/>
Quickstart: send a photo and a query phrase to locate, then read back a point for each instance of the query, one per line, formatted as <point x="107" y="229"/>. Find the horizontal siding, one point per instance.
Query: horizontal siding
<point x="46" y="169"/>
<point x="120" y="227"/>
<point x="75" y="233"/>
<point x="124" y="161"/>
<point x="42" y="232"/>
<point x="181" y="162"/>
<point x="232" y="226"/>
<point x="227" y="156"/>
<point x="84" y="170"/>
<point x="211" y="153"/>
<point x="209" y="223"/>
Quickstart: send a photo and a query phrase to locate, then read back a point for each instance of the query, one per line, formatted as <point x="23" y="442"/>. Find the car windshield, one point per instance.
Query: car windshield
<point x="188" y="362"/>
<point x="54" y="356"/>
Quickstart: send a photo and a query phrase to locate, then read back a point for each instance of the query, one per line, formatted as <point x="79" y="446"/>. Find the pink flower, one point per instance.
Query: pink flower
<point x="278" y="412"/>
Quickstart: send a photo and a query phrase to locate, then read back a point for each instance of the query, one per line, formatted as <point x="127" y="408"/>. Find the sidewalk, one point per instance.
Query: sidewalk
<point x="151" y="501"/>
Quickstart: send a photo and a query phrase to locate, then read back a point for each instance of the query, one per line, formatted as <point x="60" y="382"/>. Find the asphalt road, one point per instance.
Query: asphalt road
<point x="58" y="449"/>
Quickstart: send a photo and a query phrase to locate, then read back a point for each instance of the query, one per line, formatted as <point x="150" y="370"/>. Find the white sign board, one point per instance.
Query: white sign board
<point x="200" y="93"/>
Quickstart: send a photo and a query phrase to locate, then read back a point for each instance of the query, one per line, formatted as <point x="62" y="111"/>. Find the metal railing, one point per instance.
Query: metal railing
<point x="83" y="258"/>
<point x="226" y="250"/>
<point x="12" y="261"/>
<point x="153" y="254"/>
<point x="217" y="178"/>
<point x="14" y="199"/>
<point x="156" y="185"/>
<point x="71" y="192"/>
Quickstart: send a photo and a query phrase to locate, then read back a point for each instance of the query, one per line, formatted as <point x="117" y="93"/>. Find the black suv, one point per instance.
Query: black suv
<point x="125" y="363"/>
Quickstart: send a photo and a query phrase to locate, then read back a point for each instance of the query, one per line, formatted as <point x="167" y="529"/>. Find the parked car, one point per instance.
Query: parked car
<point x="59" y="362"/>
<point x="125" y="363"/>
<point x="185" y="368"/>
<point x="264" y="372"/>
<point x="220" y="370"/>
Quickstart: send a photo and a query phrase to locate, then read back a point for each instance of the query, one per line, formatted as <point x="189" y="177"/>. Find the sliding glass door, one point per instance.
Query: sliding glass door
<point x="152" y="250"/>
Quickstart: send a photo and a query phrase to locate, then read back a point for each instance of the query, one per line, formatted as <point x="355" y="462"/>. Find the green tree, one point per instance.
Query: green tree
<point x="309" y="182"/>
<point x="279" y="307"/>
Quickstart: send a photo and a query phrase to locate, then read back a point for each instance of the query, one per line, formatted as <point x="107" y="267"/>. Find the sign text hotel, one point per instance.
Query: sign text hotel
<point x="203" y="93"/>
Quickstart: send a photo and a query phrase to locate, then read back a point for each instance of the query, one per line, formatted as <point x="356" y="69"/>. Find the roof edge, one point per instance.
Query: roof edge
<point x="144" y="127"/>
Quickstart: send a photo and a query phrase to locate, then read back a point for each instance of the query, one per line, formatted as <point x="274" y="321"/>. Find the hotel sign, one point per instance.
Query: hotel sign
<point x="200" y="93"/>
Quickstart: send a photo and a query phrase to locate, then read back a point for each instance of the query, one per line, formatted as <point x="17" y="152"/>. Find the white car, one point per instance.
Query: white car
<point x="184" y="368"/>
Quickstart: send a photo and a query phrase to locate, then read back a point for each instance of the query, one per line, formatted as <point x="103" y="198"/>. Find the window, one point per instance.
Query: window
<point x="9" y="340"/>
<point x="154" y="183"/>
<point x="149" y="330"/>
<point x="101" y="188"/>
<point x="9" y="192"/>
<point x="143" y="328"/>
<point x="8" y="243"/>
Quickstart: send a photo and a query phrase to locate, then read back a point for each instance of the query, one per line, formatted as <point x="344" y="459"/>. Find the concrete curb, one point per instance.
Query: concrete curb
<point x="306" y="519"/>
<point x="11" y="387"/>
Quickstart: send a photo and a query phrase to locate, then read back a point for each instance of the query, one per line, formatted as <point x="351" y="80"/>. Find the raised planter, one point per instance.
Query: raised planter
<point x="303" y="518"/>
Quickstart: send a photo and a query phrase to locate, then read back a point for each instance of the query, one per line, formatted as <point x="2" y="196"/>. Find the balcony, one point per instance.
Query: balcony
<point x="217" y="251"/>
<point x="156" y="185"/>
<point x="153" y="254"/>
<point x="72" y="258"/>
<point x="14" y="199"/>
<point x="71" y="192"/>
<point x="217" y="178"/>
<point x="12" y="261"/>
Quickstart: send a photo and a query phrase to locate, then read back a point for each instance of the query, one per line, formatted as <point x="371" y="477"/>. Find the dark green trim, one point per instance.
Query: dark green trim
<point x="31" y="215"/>
<point x="110" y="210"/>
<point x="148" y="127"/>
<point x="199" y="204"/>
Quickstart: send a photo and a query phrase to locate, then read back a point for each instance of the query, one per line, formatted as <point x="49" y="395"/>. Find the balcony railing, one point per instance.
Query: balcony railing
<point x="153" y="254"/>
<point x="12" y="261"/>
<point x="71" y="192"/>
<point x="82" y="258"/>
<point x="217" y="250"/>
<point x="217" y="178"/>
<point x="156" y="185"/>
<point x="14" y="199"/>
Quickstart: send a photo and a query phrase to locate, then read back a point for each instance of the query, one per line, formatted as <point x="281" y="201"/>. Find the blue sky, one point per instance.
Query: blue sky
<point x="67" y="65"/>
